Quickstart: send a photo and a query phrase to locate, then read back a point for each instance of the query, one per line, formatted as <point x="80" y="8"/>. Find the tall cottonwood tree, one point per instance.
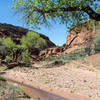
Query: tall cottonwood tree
<point x="37" y="12"/>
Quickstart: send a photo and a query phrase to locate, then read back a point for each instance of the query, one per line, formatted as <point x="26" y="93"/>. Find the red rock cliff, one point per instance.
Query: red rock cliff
<point x="80" y="35"/>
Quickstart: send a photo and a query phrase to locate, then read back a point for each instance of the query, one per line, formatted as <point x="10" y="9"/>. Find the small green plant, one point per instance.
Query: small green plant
<point x="64" y="44"/>
<point x="37" y="99"/>
<point x="10" y="92"/>
<point x="2" y="79"/>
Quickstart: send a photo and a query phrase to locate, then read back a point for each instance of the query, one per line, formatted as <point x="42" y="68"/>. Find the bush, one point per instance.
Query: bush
<point x="7" y="48"/>
<point x="3" y="49"/>
<point x="8" y="59"/>
<point x="2" y="79"/>
<point x="7" y="42"/>
<point x="64" y="45"/>
<point x="26" y="56"/>
<point x="89" y="50"/>
<point x="11" y="52"/>
<point x="97" y="43"/>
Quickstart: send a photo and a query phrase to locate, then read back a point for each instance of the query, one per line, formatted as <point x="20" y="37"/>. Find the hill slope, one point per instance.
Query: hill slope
<point x="15" y="32"/>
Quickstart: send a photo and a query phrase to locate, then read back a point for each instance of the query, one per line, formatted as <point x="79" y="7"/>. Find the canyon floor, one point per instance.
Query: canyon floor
<point x="80" y="77"/>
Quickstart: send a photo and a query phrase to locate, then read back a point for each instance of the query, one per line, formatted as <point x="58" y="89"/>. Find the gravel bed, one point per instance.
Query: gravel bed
<point x="74" y="78"/>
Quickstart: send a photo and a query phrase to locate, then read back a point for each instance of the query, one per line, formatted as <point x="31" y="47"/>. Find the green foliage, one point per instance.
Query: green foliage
<point x="7" y="42"/>
<point x="37" y="99"/>
<point x="26" y="56"/>
<point x="38" y="12"/>
<point x="89" y="25"/>
<point x="97" y="43"/>
<point x="8" y="59"/>
<point x="9" y="92"/>
<point x="32" y="40"/>
<point x="3" y="49"/>
<point x="11" y="52"/>
<point x="2" y="79"/>
<point x="7" y="48"/>
<point x="64" y="44"/>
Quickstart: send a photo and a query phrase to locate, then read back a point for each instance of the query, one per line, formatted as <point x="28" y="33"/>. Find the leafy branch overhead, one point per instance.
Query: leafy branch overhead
<point x="37" y="12"/>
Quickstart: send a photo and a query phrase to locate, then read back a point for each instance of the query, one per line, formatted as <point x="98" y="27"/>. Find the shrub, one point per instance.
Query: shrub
<point x="37" y="99"/>
<point x="64" y="45"/>
<point x="3" y="49"/>
<point x="26" y="56"/>
<point x="17" y="53"/>
<point x="8" y="59"/>
<point x="88" y="50"/>
<point x="7" y="48"/>
<point x="97" y="43"/>
<point x="2" y="79"/>
<point x="7" y="42"/>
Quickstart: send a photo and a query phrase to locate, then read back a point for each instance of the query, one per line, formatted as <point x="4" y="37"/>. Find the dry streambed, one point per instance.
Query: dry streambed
<point x="75" y="78"/>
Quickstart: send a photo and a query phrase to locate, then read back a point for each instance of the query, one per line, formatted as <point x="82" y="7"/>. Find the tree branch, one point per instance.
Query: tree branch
<point x="53" y="10"/>
<point x="92" y="14"/>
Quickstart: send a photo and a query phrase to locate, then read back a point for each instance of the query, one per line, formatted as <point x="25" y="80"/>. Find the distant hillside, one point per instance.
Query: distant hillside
<point x="16" y="32"/>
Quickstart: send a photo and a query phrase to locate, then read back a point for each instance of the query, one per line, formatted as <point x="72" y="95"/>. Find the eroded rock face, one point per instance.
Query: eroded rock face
<point x="81" y="35"/>
<point x="52" y="52"/>
<point x="15" y="32"/>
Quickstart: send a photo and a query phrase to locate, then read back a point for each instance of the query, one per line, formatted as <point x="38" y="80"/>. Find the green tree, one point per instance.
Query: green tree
<point x="37" y="12"/>
<point x="32" y="40"/>
<point x="11" y="52"/>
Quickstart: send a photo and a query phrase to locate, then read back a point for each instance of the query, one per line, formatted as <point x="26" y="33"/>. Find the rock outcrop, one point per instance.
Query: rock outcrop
<point x="81" y="35"/>
<point x="78" y="37"/>
<point x="15" y="32"/>
<point x="51" y="52"/>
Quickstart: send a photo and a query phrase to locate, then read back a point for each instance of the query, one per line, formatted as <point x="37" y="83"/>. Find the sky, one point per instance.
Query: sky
<point x="56" y="33"/>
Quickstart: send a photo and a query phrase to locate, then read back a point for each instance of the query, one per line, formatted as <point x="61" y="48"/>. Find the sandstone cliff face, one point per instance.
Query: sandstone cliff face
<point x="15" y="32"/>
<point x="81" y="35"/>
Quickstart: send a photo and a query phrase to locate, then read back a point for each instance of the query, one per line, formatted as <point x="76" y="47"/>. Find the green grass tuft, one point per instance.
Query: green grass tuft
<point x="2" y="78"/>
<point x="10" y="92"/>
